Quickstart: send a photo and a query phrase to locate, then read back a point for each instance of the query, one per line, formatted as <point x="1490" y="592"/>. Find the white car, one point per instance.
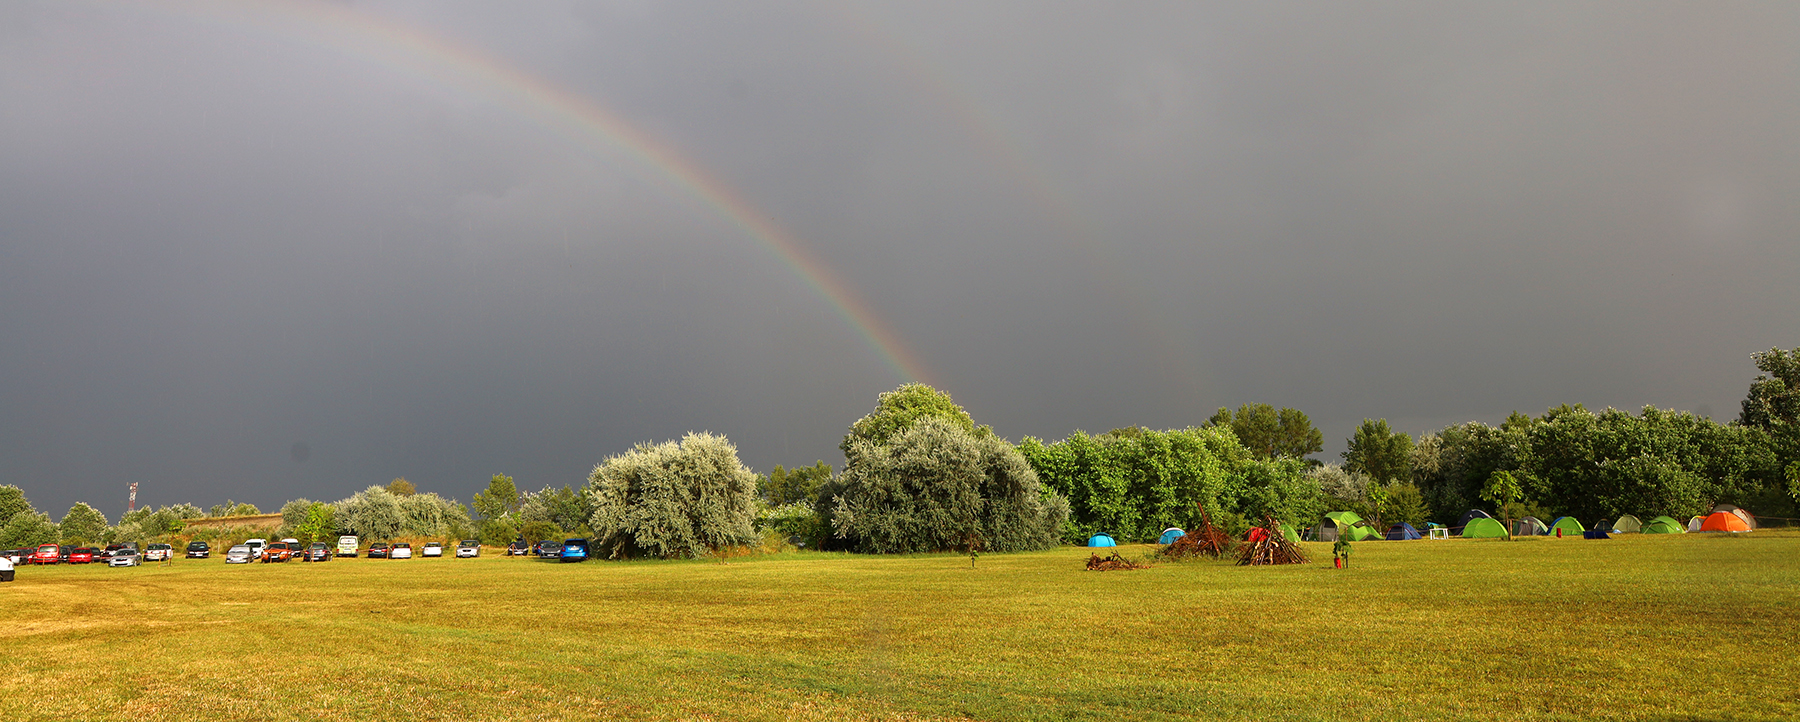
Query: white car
<point x="125" y="558"/>
<point x="256" y="546"/>
<point x="431" y="549"/>
<point x="240" y="554"/>
<point x="468" y="549"/>
<point x="347" y="546"/>
<point x="400" y="550"/>
<point x="158" y="553"/>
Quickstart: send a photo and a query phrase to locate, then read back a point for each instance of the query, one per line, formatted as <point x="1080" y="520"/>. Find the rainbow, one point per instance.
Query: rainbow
<point x="576" y="116"/>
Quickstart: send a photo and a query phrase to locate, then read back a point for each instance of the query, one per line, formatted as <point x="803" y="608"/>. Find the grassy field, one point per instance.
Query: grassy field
<point x="1697" y="627"/>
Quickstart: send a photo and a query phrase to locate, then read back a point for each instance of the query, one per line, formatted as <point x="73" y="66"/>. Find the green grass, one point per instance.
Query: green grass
<point x="1694" y="627"/>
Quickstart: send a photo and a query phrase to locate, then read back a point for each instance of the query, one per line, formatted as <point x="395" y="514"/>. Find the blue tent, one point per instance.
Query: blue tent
<point x="1170" y="535"/>
<point x="1399" y="532"/>
<point x="1101" y="540"/>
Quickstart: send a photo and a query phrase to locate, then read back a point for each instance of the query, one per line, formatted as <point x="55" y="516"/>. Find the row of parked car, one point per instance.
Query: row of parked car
<point x="117" y="555"/>
<point x="262" y="550"/>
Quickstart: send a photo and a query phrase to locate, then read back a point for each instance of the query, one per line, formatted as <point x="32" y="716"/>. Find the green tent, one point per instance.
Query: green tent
<point x="1363" y="530"/>
<point x="1481" y="528"/>
<point x="1627" y="524"/>
<point x="1287" y="530"/>
<point x="1338" y="524"/>
<point x="1664" y="525"/>
<point x="1568" y="525"/>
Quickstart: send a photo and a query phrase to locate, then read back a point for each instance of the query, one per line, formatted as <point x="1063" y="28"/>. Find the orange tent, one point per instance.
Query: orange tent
<point x="1723" y="521"/>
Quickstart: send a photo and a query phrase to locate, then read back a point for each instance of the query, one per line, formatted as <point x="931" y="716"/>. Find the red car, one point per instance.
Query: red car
<point x="83" y="555"/>
<point x="277" y="552"/>
<point x="46" y="554"/>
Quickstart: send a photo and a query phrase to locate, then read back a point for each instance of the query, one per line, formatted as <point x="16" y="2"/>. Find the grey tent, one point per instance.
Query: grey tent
<point x="1529" y="526"/>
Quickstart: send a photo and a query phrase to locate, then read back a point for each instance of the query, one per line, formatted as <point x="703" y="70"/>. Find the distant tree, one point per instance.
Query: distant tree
<point x="1381" y="453"/>
<point x="1793" y="481"/>
<point x="564" y="508"/>
<point x="500" y="499"/>
<point x="673" y="499"/>
<point x="28" y="529"/>
<point x="801" y="484"/>
<point x="1405" y="505"/>
<point x="373" y="514"/>
<point x="1282" y="488"/>
<point x="898" y="409"/>
<point x="232" y="508"/>
<point x="538" y="531"/>
<point x="12" y="501"/>
<point x="1134" y="483"/>
<point x="498" y="532"/>
<point x="402" y="487"/>
<point x="83" y="525"/>
<point x="1774" y="397"/>
<point x="936" y="485"/>
<point x="1269" y="433"/>
<point x="318" y="523"/>
<point x="1503" y="490"/>
<point x="293" y="515"/>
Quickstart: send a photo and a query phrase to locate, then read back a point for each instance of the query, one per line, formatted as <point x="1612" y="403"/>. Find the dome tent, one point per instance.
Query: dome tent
<point x="1483" y="528"/>
<point x="1722" y="521"/>
<point x="1170" y="534"/>
<point x="1529" y="526"/>
<point x="1345" y="524"/>
<point x="1694" y="523"/>
<point x="1402" y="532"/>
<point x="1664" y="525"/>
<point x="1101" y="540"/>
<point x="1747" y="517"/>
<point x="1471" y="516"/>
<point x="1627" y="524"/>
<point x="1567" y="525"/>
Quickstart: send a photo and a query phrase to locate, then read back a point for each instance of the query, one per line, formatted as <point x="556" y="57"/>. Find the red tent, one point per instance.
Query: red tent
<point x="1723" y="521"/>
<point x="1256" y="534"/>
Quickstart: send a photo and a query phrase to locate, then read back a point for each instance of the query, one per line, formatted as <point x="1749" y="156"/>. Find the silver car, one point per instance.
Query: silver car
<point x="240" y="554"/>
<point x="125" y="558"/>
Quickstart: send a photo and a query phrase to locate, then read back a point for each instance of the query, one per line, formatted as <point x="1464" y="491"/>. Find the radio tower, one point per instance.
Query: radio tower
<point x="131" y="503"/>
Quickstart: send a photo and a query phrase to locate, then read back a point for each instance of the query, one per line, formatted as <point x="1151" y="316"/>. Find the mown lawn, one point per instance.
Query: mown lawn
<point x="1697" y="627"/>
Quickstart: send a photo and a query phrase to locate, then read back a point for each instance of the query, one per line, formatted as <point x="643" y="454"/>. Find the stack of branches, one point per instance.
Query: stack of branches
<point x="1272" y="548"/>
<point x="1207" y="540"/>
<point x="1097" y="563"/>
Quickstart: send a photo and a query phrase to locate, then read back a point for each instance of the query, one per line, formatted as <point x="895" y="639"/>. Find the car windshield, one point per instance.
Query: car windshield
<point x="469" y="542"/>
<point x="240" y="549"/>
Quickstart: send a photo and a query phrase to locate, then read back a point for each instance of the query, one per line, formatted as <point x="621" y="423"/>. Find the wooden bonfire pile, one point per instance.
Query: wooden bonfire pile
<point x="1207" y="540"/>
<point x="1272" y="548"/>
<point x="1113" y="563"/>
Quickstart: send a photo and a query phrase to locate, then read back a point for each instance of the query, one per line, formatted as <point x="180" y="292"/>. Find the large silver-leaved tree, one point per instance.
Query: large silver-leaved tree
<point x="673" y="499"/>
<point x="373" y="514"/>
<point x="936" y="484"/>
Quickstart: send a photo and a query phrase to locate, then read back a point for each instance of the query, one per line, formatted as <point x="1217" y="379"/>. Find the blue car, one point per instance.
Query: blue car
<point x="575" y="550"/>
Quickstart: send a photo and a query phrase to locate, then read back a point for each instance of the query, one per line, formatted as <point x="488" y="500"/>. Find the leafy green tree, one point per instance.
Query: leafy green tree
<point x="1793" y="481"/>
<point x="538" y="531"/>
<point x="1269" y="433"/>
<point x="12" y="501"/>
<point x="28" y="529"/>
<point x="232" y="508"/>
<point x="1774" y="397"/>
<point x="1134" y="483"/>
<point x="1380" y="452"/>
<point x="293" y="515"/>
<point x="564" y="508"/>
<point x="500" y="499"/>
<point x="82" y="525"/>
<point x="938" y="485"/>
<point x="1502" y="490"/>
<point x="498" y="532"/>
<point x="1282" y="488"/>
<point x="898" y="409"/>
<point x="317" y="524"/>
<point x="673" y="499"/>
<point x="801" y="484"/>
<point x="1405" y="505"/>
<point x="402" y="487"/>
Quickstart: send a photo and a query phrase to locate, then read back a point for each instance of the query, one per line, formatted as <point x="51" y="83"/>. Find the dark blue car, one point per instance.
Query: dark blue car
<point x="575" y="550"/>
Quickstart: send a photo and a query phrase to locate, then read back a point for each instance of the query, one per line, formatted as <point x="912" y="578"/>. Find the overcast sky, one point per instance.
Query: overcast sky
<point x="263" y="252"/>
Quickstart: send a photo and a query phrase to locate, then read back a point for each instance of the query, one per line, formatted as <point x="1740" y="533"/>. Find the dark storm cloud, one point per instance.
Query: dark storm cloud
<point x="248" y="256"/>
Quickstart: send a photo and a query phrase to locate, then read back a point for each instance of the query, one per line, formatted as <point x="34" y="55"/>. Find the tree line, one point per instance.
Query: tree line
<point x="920" y="475"/>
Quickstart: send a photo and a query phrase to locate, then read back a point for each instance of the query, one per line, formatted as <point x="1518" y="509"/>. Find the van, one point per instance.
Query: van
<point x="346" y="546"/>
<point x="256" y="546"/>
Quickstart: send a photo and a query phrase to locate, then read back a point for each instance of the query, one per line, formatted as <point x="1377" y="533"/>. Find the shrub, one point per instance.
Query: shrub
<point x="936" y="485"/>
<point x="668" y="500"/>
<point x="798" y="519"/>
<point x="28" y="529"/>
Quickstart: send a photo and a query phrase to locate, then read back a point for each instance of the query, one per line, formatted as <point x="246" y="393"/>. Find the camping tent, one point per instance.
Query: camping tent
<point x="1363" y="530"/>
<point x="1627" y="524"/>
<point x="1483" y="528"/>
<point x="1401" y="532"/>
<point x="1287" y="530"/>
<point x="1724" y="521"/>
<point x="1749" y="520"/>
<point x="1664" y="525"/>
<point x="1101" y="540"/>
<point x="1694" y="523"/>
<point x="1567" y="525"/>
<point x="1170" y="534"/>
<point x="1529" y="526"/>
<point x="1471" y="516"/>
<point x="1336" y="524"/>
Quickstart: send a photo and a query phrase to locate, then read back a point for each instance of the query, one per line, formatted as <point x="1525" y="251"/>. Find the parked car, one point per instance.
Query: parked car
<point x="400" y="550"/>
<point x="277" y="552"/>
<point x="240" y="554"/>
<point x="378" y="550"/>
<point x="17" y="556"/>
<point x="468" y="549"/>
<point x="346" y="546"/>
<point x="432" y="549"/>
<point x="159" y="553"/>
<point x="549" y="549"/>
<point x="256" y="546"/>
<point x="125" y="558"/>
<point x="102" y="556"/>
<point x="199" y="550"/>
<point x="317" y="552"/>
<point x="46" y="554"/>
<point x="80" y="555"/>
<point x="518" y="548"/>
<point x="575" y="550"/>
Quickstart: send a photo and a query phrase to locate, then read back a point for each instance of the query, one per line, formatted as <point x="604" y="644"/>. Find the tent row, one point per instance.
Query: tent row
<point x="1478" y="524"/>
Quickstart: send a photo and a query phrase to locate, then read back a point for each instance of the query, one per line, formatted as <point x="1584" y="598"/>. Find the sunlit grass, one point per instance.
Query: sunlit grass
<point x="1672" y="627"/>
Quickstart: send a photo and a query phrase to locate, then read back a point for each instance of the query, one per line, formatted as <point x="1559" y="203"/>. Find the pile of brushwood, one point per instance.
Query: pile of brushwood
<point x="1207" y="541"/>
<point x="1113" y="563"/>
<point x="1272" y="548"/>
